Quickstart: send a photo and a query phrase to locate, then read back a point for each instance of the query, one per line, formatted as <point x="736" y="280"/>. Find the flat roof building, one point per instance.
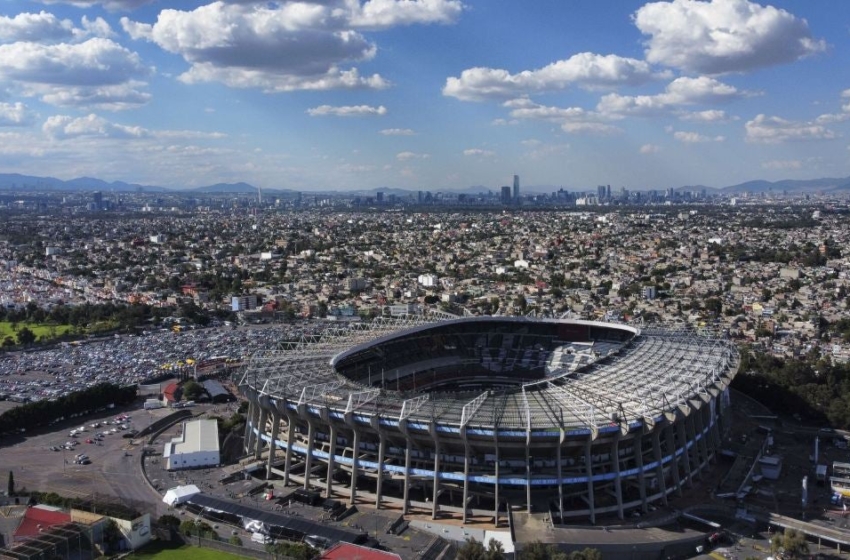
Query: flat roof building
<point x="197" y="446"/>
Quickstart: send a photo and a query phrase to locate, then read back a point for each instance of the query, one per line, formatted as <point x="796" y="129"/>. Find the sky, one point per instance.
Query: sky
<point x="433" y="95"/>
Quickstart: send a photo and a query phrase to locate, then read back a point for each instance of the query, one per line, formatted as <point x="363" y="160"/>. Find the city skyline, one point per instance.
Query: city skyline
<point x="425" y="94"/>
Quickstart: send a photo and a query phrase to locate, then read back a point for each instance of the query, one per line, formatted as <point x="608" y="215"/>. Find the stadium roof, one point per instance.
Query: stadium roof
<point x="660" y="371"/>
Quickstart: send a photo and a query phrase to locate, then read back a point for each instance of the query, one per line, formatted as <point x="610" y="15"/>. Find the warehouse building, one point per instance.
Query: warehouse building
<point x="197" y="446"/>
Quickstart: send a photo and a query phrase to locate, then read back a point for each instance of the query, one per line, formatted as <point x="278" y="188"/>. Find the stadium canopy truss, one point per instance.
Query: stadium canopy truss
<point x="468" y="415"/>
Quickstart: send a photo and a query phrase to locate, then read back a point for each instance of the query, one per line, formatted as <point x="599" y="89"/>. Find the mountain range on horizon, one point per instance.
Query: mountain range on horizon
<point x="15" y="182"/>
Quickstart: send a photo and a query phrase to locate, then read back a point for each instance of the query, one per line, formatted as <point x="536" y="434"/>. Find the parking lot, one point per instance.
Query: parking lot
<point x="45" y="460"/>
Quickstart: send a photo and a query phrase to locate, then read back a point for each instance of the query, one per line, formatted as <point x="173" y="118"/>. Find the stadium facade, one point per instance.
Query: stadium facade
<point x="471" y="415"/>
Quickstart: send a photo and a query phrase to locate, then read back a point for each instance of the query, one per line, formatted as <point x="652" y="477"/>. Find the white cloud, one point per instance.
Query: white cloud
<point x="111" y="5"/>
<point x="356" y="168"/>
<point x="542" y="151"/>
<point x="118" y="97"/>
<point x="708" y="116"/>
<point x="719" y="36"/>
<point x="382" y="14"/>
<point x="695" y="137"/>
<point x="584" y="69"/>
<point x="397" y="132"/>
<point x="831" y="118"/>
<point x="63" y="127"/>
<point x="504" y="122"/>
<point x="96" y="61"/>
<point x="782" y="165"/>
<point x="650" y="149"/>
<point x="407" y="156"/>
<point x="95" y="73"/>
<point x="40" y="27"/>
<point x="680" y="92"/>
<point x="775" y="130"/>
<point x="478" y="152"/>
<point x="97" y="27"/>
<point x="283" y="46"/>
<point x="347" y="111"/>
<point x="574" y="120"/>
<point x="14" y="114"/>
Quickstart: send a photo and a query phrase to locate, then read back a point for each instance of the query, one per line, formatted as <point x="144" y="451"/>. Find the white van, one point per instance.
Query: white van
<point x="261" y="538"/>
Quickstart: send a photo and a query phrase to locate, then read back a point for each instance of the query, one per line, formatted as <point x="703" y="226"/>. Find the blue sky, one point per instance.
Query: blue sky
<point x="425" y="94"/>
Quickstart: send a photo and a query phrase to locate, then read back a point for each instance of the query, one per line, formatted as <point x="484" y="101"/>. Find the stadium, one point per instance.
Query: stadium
<point x="473" y="416"/>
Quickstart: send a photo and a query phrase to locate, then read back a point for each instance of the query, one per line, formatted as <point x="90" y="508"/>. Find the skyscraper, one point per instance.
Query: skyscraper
<point x="516" y="188"/>
<point x="506" y="195"/>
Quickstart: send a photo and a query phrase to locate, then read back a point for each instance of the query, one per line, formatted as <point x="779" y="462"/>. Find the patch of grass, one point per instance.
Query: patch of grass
<point x="159" y="550"/>
<point x="42" y="331"/>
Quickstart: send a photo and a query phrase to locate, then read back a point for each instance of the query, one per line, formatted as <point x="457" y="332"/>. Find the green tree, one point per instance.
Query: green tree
<point x="192" y="390"/>
<point x="188" y="527"/>
<point x="539" y="551"/>
<point x="791" y="542"/>
<point x="11" y="487"/>
<point x="168" y="520"/>
<point x="26" y="337"/>
<point x="586" y="554"/>
<point x="112" y="534"/>
<point x="474" y="550"/>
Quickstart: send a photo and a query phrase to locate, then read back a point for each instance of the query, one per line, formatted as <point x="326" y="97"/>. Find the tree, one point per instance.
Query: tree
<point x="112" y="534"/>
<point x="539" y="551"/>
<point x="791" y="542"/>
<point x="168" y="520"/>
<point x="586" y="554"/>
<point x="26" y="337"/>
<point x="192" y="390"/>
<point x="11" y="487"/>
<point x="474" y="550"/>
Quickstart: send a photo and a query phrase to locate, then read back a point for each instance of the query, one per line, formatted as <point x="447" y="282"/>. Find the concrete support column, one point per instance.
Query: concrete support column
<point x="250" y="424"/>
<point x="405" y="509"/>
<point x="290" y="441"/>
<point x="674" y="463"/>
<point x="331" y="465"/>
<point x="699" y="429"/>
<point x="272" y="443"/>
<point x="718" y="430"/>
<point x="615" y="468"/>
<point x="382" y="443"/>
<point x="308" y="460"/>
<point x="355" y="468"/>
<point x="686" y="458"/>
<point x="496" y="486"/>
<point x="560" y="472"/>
<point x="710" y="442"/>
<point x="466" y="483"/>
<point x="261" y="428"/>
<point x="528" y="475"/>
<point x="638" y="452"/>
<point x="436" y="479"/>
<point x="659" y="465"/>
<point x="693" y="451"/>
<point x="588" y="467"/>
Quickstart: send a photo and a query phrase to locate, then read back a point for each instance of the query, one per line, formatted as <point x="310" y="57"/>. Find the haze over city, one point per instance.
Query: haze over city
<point x="425" y="94"/>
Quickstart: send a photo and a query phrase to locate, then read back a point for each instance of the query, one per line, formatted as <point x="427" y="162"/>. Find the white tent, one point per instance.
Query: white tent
<point x="179" y="494"/>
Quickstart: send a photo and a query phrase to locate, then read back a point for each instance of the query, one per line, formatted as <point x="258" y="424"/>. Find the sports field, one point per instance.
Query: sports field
<point x="41" y="331"/>
<point x="159" y="550"/>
